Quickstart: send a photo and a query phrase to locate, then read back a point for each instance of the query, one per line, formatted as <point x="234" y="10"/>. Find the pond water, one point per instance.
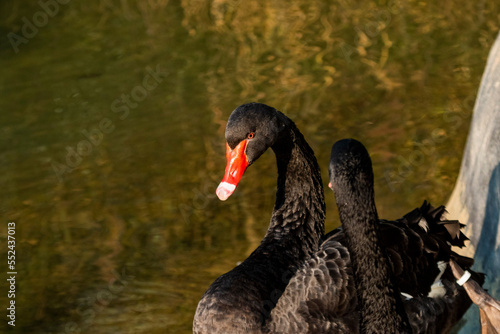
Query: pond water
<point x="112" y="126"/>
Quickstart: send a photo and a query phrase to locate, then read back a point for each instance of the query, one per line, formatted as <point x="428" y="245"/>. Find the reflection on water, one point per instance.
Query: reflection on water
<point x="113" y="118"/>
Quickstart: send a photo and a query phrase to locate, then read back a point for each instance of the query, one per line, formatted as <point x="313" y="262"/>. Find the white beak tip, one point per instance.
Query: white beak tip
<point x="224" y="190"/>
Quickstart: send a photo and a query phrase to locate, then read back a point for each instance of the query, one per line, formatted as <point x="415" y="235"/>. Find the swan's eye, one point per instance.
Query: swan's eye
<point x="251" y="135"/>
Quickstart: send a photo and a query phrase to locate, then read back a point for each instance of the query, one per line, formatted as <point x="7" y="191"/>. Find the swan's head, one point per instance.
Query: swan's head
<point x="350" y="167"/>
<point x="251" y="129"/>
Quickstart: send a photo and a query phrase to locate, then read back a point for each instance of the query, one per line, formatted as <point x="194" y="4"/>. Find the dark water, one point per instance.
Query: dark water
<point x="112" y="121"/>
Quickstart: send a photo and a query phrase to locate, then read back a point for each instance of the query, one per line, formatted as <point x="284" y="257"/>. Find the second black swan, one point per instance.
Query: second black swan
<point x="380" y="304"/>
<point x="379" y="299"/>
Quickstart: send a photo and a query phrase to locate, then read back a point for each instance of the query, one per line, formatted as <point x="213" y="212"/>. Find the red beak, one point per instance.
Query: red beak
<point x="237" y="163"/>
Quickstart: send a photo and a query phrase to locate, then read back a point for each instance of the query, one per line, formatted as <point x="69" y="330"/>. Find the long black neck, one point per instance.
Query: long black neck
<point x="297" y="223"/>
<point x="299" y="211"/>
<point x="380" y="306"/>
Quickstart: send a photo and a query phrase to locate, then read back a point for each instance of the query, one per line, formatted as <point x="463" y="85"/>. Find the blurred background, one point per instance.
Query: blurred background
<point x="112" y="136"/>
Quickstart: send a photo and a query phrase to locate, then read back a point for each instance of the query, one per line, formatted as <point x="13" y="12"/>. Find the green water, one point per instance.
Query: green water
<point x="112" y="118"/>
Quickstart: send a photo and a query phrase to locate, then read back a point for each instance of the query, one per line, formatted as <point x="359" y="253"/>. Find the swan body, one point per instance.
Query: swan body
<point x="380" y="281"/>
<point x="380" y="305"/>
<point x="241" y="300"/>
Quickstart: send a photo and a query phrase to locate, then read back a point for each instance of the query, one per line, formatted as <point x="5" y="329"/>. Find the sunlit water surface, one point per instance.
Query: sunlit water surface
<point x="112" y="136"/>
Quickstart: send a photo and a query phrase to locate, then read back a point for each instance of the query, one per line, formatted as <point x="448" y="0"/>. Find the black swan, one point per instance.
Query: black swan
<point x="379" y="300"/>
<point x="298" y="280"/>
<point x="241" y="300"/>
<point x="380" y="304"/>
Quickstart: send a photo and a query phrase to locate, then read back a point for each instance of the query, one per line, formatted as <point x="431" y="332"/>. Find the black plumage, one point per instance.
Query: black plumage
<point x="380" y="305"/>
<point x="407" y="255"/>
<point x="241" y="300"/>
<point x="298" y="280"/>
